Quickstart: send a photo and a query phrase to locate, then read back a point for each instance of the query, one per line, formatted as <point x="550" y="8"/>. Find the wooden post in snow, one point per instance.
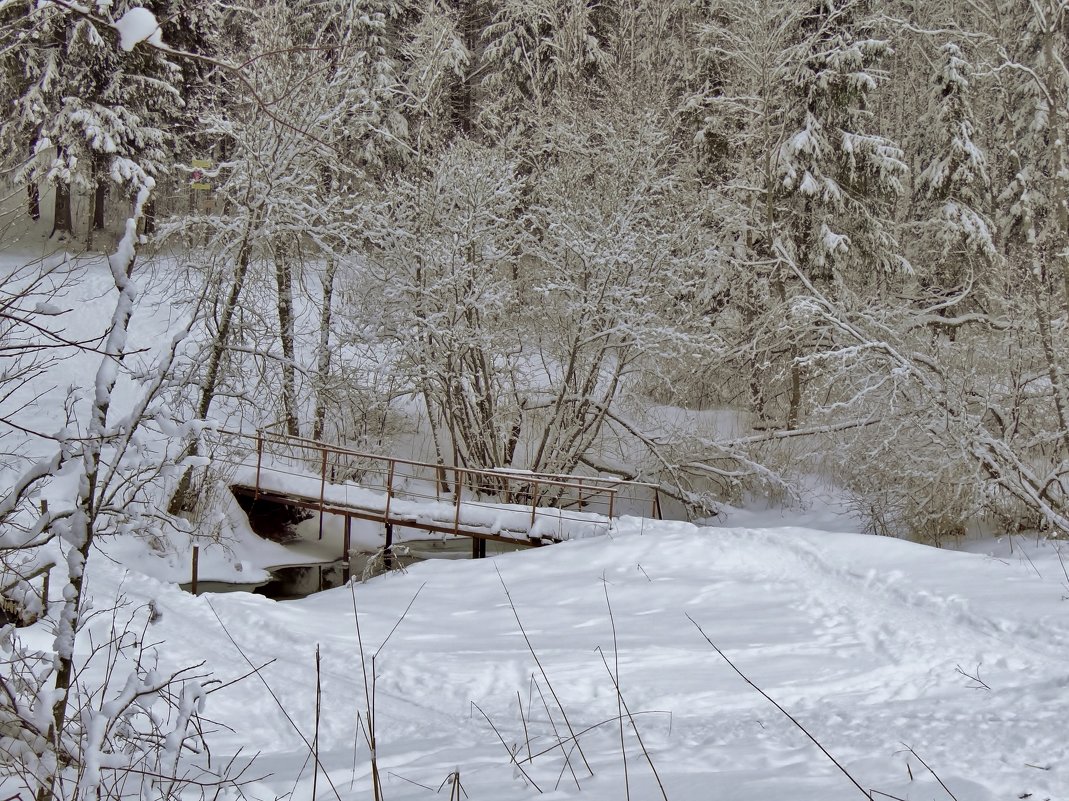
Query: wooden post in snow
<point x="346" y="547"/>
<point x="322" y="491"/>
<point x="259" y="459"/>
<point x="194" y="569"/>
<point x="456" y="515"/>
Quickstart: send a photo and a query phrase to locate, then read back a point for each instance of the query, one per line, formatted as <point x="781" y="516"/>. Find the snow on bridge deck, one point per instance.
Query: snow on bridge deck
<point x="517" y="507"/>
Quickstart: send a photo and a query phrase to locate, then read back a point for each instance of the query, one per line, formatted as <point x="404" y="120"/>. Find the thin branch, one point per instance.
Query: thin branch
<point x="274" y="696"/>
<point x="785" y="713"/>
<point x="936" y="775"/>
<point x="541" y="669"/>
<point x="512" y="755"/>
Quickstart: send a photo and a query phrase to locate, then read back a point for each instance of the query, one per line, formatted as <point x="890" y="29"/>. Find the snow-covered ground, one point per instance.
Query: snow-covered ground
<point x="874" y="645"/>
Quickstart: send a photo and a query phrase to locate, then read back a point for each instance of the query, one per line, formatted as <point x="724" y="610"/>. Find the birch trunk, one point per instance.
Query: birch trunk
<point x="284" y="283"/>
<point x="323" y="359"/>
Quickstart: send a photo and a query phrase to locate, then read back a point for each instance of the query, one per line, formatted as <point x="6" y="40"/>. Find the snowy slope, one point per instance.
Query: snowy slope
<point x="859" y="637"/>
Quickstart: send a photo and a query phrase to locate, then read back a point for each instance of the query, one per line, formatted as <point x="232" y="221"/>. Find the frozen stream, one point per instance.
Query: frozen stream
<point x="292" y="581"/>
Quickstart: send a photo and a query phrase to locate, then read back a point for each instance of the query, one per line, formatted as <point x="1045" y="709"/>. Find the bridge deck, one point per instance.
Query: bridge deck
<point x="503" y="505"/>
<point x="429" y="516"/>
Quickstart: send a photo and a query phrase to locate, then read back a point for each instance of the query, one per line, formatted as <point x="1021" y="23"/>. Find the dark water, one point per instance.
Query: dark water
<point x="290" y="582"/>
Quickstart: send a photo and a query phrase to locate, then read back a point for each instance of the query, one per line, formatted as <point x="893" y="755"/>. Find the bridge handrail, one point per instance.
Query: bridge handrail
<point x="542" y="479"/>
<point x="578" y="491"/>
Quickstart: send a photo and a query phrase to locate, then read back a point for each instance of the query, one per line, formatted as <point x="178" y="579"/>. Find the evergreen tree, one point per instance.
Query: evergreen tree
<point x="539" y="52"/>
<point x="840" y="177"/>
<point x="435" y="71"/>
<point x="1034" y="207"/>
<point x="86" y="110"/>
<point x="954" y="188"/>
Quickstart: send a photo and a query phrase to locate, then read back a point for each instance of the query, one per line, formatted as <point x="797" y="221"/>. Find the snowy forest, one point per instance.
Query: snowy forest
<point x="738" y="251"/>
<point x="559" y="232"/>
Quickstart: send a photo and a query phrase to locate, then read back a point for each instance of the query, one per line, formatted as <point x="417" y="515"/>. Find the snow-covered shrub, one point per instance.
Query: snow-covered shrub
<point x="134" y="730"/>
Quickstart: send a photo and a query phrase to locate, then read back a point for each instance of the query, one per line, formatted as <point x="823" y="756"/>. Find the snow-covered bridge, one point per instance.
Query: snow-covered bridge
<point x="517" y="507"/>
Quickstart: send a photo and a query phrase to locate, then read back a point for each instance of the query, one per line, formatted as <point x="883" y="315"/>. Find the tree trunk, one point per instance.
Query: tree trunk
<point x="33" y="201"/>
<point x="323" y="359"/>
<point x="284" y="282"/>
<point x="148" y="225"/>
<point x="462" y="100"/>
<point x="182" y="500"/>
<point x="96" y="208"/>
<point x="61" y="220"/>
<point x="33" y="192"/>
<point x="222" y="336"/>
<point x="100" y="199"/>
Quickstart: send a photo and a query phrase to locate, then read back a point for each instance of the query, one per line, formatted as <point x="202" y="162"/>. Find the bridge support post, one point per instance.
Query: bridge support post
<point x="259" y="459"/>
<point x="346" y="546"/>
<point x="387" y="551"/>
<point x="193" y="570"/>
<point x="322" y="491"/>
<point x="478" y="548"/>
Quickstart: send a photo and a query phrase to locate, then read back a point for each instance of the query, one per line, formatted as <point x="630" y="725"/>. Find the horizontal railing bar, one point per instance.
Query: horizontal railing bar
<point x="547" y="479"/>
<point x="595" y="498"/>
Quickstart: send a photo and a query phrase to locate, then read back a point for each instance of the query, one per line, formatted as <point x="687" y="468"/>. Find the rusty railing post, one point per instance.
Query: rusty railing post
<point x="389" y="488"/>
<point x="194" y="569"/>
<point x="346" y="545"/>
<point x="387" y="551"/>
<point x="322" y="491"/>
<point x="458" y="482"/>
<point x="259" y="460"/>
<point x="456" y="515"/>
<point x="534" y="506"/>
<point x="612" y="502"/>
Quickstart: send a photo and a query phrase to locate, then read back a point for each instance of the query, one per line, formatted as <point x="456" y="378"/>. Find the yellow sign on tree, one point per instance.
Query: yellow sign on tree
<point x="196" y="178"/>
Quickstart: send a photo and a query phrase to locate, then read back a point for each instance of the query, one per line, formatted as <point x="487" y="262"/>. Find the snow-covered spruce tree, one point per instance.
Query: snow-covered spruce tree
<point x="537" y="53"/>
<point x="86" y="108"/>
<point x="840" y="176"/>
<point x="956" y="251"/>
<point x="736" y="113"/>
<point x="795" y="165"/>
<point x="1033" y="212"/>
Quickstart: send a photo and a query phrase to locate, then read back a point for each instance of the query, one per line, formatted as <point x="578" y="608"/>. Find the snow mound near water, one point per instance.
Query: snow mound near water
<point x="872" y="644"/>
